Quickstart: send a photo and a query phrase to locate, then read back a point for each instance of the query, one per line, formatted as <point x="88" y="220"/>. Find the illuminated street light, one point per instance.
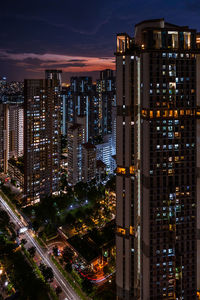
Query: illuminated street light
<point x="6" y="283"/>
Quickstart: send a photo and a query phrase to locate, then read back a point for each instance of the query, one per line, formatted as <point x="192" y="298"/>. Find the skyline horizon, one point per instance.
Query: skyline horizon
<point x="76" y="37"/>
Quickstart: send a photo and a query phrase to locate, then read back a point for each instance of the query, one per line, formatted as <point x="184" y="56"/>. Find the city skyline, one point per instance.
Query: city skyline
<point x="77" y="37"/>
<point x="99" y="150"/>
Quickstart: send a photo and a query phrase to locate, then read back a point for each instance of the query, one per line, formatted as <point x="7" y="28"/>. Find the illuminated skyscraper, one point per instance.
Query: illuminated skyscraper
<point x="4" y="137"/>
<point x="16" y="131"/>
<point x="88" y="162"/>
<point x="42" y="133"/>
<point x="107" y="100"/>
<point x="83" y="101"/>
<point x="158" y="158"/>
<point x="11" y="133"/>
<point x="75" y="140"/>
<point x="54" y="75"/>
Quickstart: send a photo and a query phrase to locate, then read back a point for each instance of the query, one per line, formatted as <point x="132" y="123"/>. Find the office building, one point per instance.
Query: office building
<point x="42" y="133"/>
<point x="158" y="160"/>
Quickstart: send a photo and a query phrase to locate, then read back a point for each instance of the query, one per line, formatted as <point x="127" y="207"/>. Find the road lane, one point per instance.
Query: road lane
<point x="68" y="291"/>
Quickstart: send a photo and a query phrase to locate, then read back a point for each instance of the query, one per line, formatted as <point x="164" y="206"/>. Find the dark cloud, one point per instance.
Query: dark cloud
<point x="77" y="28"/>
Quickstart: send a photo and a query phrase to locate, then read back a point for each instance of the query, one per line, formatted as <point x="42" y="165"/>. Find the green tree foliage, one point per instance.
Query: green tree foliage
<point x="4" y="218"/>
<point x="58" y="290"/>
<point x="21" y="273"/>
<point x="80" y="190"/>
<point x="47" y="272"/>
<point x="55" y="251"/>
<point x="32" y="251"/>
<point x="23" y="241"/>
<point x="87" y="286"/>
<point x="68" y="267"/>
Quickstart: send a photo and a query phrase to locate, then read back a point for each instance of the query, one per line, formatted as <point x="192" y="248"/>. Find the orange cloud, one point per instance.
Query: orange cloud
<point x="67" y="63"/>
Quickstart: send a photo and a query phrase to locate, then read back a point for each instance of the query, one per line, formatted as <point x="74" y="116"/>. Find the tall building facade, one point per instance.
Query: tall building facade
<point x="83" y="101"/>
<point x="4" y="137"/>
<point x="11" y="133"/>
<point x="106" y="91"/>
<point x="88" y="162"/>
<point x="42" y="133"/>
<point x="75" y="138"/>
<point x="54" y="75"/>
<point x="158" y="159"/>
<point x="16" y="131"/>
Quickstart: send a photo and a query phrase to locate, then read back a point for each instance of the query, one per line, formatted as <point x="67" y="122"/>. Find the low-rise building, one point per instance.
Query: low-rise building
<point x="16" y="172"/>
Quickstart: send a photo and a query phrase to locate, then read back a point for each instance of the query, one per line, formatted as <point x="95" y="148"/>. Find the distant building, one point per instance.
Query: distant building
<point x="104" y="153"/>
<point x="11" y="133"/>
<point x="11" y="92"/>
<point x="83" y="101"/>
<point x="42" y="138"/>
<point x="4" y="137"/>
<point x="88" y="162"/>
<point x="106" y="92"/>
<point x="100" y="171"/>
<point x="16" y="131"/>
<point x="65" y="95"/>
<point x="81" y="84"/>
<point x="82" y="120"/>
<point x="75" y="141"/>
<point x="54" y="75"/>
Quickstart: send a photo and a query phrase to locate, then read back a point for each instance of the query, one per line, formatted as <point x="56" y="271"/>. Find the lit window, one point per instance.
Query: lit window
<point x="158" y="113"/>
<point x="132" y="169"/>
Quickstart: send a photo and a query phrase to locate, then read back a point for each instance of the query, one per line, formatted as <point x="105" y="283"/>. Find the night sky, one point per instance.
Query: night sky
<point x="77" y="36"/>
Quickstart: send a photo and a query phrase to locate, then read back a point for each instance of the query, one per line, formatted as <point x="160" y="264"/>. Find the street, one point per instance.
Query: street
<point x="68" y="292"/>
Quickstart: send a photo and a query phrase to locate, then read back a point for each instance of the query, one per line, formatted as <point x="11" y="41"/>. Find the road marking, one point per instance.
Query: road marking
<point x="67" y="289"/>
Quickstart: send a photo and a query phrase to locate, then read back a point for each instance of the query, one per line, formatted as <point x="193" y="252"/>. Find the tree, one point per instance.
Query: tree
<point x="68" y="267"/>
<point x="4" y="218"/>
<point x="47" y="272"/>
<point x="111" y="183"/>
<point x="68" y="254"/>
<point x="87" y="286"/>
<point x="89" y="223"/>
<point x="70" y="219"/>
<point x="106" y="269"/>
<point x="80" y="190"/>
<point x="32" y="251"/>
<point x="80" y="214"/>
<point x="23" y="241"/>
<point x="55" y="251"/>
<point x="58" y="290"/>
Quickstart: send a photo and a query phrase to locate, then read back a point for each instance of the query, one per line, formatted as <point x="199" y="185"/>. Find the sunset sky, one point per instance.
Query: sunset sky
<point x="76" y="36"/>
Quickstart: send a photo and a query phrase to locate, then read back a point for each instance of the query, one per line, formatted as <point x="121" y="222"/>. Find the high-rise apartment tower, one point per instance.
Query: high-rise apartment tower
<point x="158" y="158"/>
<point x="42" y="135"/>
